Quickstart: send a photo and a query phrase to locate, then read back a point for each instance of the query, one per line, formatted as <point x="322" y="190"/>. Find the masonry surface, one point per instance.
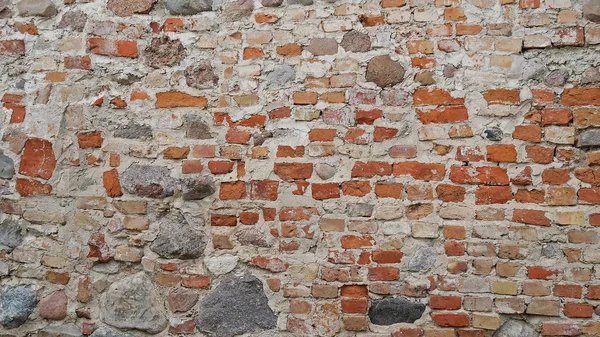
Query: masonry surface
<point x="300" y="168"/>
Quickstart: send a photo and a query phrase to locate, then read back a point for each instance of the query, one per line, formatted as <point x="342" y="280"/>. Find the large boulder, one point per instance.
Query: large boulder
<point x="236" y="306"/>
<point x="178" y="239"/>
<point x="16" y="304"/>
<point x="148" y="181"/>
<point x="388" y="311"/>
<point x="132" y="303"/>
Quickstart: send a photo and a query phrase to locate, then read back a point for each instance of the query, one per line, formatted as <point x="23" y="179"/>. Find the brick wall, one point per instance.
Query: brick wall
<point x="317" y="168"/>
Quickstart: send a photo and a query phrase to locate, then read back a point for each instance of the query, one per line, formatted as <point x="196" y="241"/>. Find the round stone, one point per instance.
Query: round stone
<point x="356" y="42"/>
<point x="384" y="71"/>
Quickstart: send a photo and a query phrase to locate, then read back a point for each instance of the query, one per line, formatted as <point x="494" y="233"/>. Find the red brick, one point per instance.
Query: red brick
<point x="12" y="47"/>
<point x="176" y="99"/>
<point x="357" y="241"/>
<point x="502" y="96"/>
<point x="541" y="273"/>
<point x="560" y="328"/>
<point x="435" y="97"/>
<point x="381" y="134"/>
<point x="356" y="188"/>
<point x="501" y="153"/>
<point x="580" y="96"/>
<point x="292" y="171"/>
<point x="567" y="290"/>
<point x="420" y="171"/>
<point x="450" y="319"/>
<point x="529" y="133"/>
<point x="325" y="191"/>
<point x="590" y="195"/>
<point x="451" y="114"/>
<point x="555" y="176"/>
<point x="383" y="274"/>
<point x="108" y="47"/>
<point x="388" y="190"/>
<point x="493" y="195"/>
<point x="355" y="305"/>
<point x="368" y="116"/>
<point x="556" y="116"/>
<point x="540" y="154"/>
<point x="445" y="302"/>
<point x="386" y="256"/>
<point x="486" y="175"/>
<point x="531" y="217"/>
<point x="28" y="188"/>
<point x="220" y="166"/>
<point x="111" y="183"/>
<point x="371" y="169"/>
<point x="264" y="189"/>
<point x="232" y="190"/>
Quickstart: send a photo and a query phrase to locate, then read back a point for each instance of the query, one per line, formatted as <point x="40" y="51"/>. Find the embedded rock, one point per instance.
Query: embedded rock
<point x="7" y="166"/>
<point x="514" y="328"/>
<point x="54" y="306"/>
<point x="106" y="332"/>
<point x="557" y="78"/>
<point x="590" y="76"/>
<point x="281" y="76"/>
<point x="134" y="131"/>
<point x="591" y="10"/>
<point x="236" y="306"/>
<point x="201" y="76"/>
<point x="322" y="46"/>
<point x="16" y="304"/>
<point x="129" y="7"/>
<point x="423" y="259"/>
<point x="198" y="188"/>
<point x="132" y="303"/>
<point x="238" y="10"/>
<point x="164" y="52"/>
<point x="73" y="20"/>
<point x="325" y="171"/>
<point x="220" y="265"/>
<point x="589" y="138"/>
<point x="388" y="311"/>
<point x="188" y="7"/>
<point x="252" y="237"/>
<point x="178" y="239"/>
<point x="356" y="42"/>
<point x="494" y="134"/>
<point x="68" y="330"/>
<point x="384" y="71"/>
<point x="43" y="8"/>
<point x="534" y="69"/>
<point x="196" y="128"/>
<point x="182" y="299"/>
<point x="148" y="181"/>
<point x="271" y="3"/>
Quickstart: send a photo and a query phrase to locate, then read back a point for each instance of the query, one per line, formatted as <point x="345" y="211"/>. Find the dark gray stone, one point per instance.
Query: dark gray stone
<point x="388" y="311"/>
<point x="178" y="239"/>
<point x="188" y="7"/>
<point x="271" y="3"/>
<point x="384" y="71"/>
<point x="591" y="10"/>
<point x="236" y="306"/>
<point x="43" y="8"/>
<point x="16" y="304"/>
<point x="7" y="166"/>
<point x="134" y="131"/>
<point x="589" y="138"/>
<point x="514" y="328"/>
<point x="423" y="259"/>
<point x="494" y="133"/>
<point x="73" y="20"/>
<point x="132" y="303"/>
<point x="319" y="46"/>
<point x="201" y="76"/>
<point x="124" y="78"/>
<point x="281" y="76"/>
<point x="198" y="188"/>
<point x="534" y="69"/>
<point x="10" y="234"/>
<point x="590" y="76"/>
<point x="68" y="330"/>
<point x="148" y="181"/>
<point x="557" y="78"/>
<point x="164" y="52"/>
<point x="196" y="128"/>
<point x="356" y="42"/>
<point x="106" y="332"/>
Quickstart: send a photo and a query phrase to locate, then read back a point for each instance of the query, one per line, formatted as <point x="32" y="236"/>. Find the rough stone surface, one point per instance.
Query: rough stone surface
<point x="514" y="328"/>
<point x="325" y="171"/>
<point x="591" y="10"/>
<point x="557" y="78"/>
<point x="178" y="239"/>
<point x="127" y="8"/>
<point x="197" y="128"/>
<point x="239" y="9"/>
<point x="388" y="311"/>
<point x="384" y="71"/>
<point x="281" y="76"/>
<point x="134" y="131"/>
<point x="237" y="305"/>
<point x="198" y="188"/>
<point x="164" y="52"/>
<point x="188" y="7"/>
<point x="44" y="8"/>
<point x="16" y="304"/>
<point x="132" y="303"/>
<point x="535" y="68"/>
<point x="590" y="76"/>
<point x="66" y="330"/>
<point x="148" y="181"/>
<point x="106" y="332"/>
<point x="356" y="42"/>
<point x="54" y="306"/>
<point x="220" y="265"/>
<point x="252" y="237"/>
<point x="494" y="134"/>
<point x="73" y="20"/>
<point x="182" y="299"/>
<point x="271" y="3"/>
<point x="322" y="46"/>
<point x="589" y="138"/>
<point x="423" y="259"/>
<point x="7" y="166"/>
<point x="201" y="76"/>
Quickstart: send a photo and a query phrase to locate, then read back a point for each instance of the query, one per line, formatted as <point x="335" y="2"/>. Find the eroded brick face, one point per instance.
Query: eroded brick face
<point x="300" y="168"/>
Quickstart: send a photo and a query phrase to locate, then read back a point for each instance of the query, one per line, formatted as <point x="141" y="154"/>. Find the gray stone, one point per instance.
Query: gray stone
<point x="360" y="210"/>
<point x="325" y="171"/>
<point x="7" y="166"/>
<point x="125" y="78"/>
<point x="188" y="7"/>
<point x="196" y="128"/>
<point x="356" y="42"/>
<point x="198" y="188"/>
<point x="300" y="2"/>
<point x="201" y="76"/>
<point x="271" y="3"/>
<point x="106" y="332"/>
<point x="551" y="250"/>
<point x="129" y="7"/>
<point x="388" y="311"/>
<point x="423" y="259"/>
<point x="493" y="133"/>
<point x="5" y="11"/>
<point x="16" y="304"/>
<point x="252" y="237"/>
<point x="178" y="239"/>
<point x="236" y="306"/>
<point x="238" y="10"/>
<point x="148" y="181"/>
<point x="590" y="76"/>
<point x="449" y="70"/>
<point x="222" y="264"/>
<point x="589" y="138"/>
<point x="132" y="303"/>
<point x="384" y="71"/>
<point x="134" y="131"/>
<point x="281" y="76"/>
<point x="182" y="299"/>
<point x="73" y="20"/>
<point x="591" y="10"/>
<point x="260" y="136"/>
<point x="514" y="328"/>
<point x="68" y="330"/>
<point x="164" y="52"/>
<point x="534" y="69"/>
<point x="557" y="78"/>
<point x="322" y="46"/>
<point x="43" y="8"/>
<point x="10" y="234"/>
